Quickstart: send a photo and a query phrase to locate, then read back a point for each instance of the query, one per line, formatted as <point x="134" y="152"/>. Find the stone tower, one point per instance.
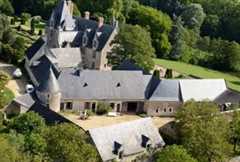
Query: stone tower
<point x="49" y="93"/>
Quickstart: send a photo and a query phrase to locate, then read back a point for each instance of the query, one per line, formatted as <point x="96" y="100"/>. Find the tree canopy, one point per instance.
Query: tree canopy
<point x="173" y="153"/>
<point x="203" y="131"/>
<point x="133" y="43"/>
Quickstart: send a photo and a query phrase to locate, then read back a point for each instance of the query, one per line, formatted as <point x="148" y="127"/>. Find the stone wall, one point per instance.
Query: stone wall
<point x="156" y="108"/>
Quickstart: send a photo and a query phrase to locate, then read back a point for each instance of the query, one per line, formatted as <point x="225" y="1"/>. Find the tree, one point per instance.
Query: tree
<point x="193" y="17"/>
<point x="66" y="142"/>
<point x="204" y="131"/>
<point x="103" y="108"/>
<point x="6" y="7"/>
<point x="173" y="153"/>
<point x="133" y="43"/>
<point x="25" y="17"/>
<point x="27" y="123"/>
<point x="235" y="130"/>
<point x="33" y="22"/>
<point x="8" y="153"/>
<point x="157" y="23"/>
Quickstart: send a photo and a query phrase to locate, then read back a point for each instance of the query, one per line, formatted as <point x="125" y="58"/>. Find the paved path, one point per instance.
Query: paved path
<point x="17" y="86"/>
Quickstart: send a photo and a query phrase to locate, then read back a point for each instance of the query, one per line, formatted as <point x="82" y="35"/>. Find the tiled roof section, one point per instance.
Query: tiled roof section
<point x="27" y="100"/>
<point x="229" y="96"/>
<point x="91" y="27"/>
<point x="167" y="90"/>
<point x="50" y="116"/>
<point x="40" y="68"/>
<point x="50" y="85"/>
<point x="91" y="84"/>
<point x="129" y="65"/>
<point x="34" y="48"/>
<point x="128" y="134"/>
<point x="65" y="57"/>
<point x="61" y="16"/>
<point x="202" y="89"/>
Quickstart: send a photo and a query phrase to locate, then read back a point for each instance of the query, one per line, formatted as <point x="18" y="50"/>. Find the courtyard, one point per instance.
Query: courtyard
<point x="101" y="121"/>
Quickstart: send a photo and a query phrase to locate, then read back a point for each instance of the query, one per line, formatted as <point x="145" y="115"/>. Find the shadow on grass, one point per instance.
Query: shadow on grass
<point x="235" y="82"/>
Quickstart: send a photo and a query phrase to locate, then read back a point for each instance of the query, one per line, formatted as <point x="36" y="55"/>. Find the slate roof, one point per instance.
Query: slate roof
<point x="34" y="48"/>
<point x="65" y="57"/>
<point x="92" y="26"/>
<point x="128" y="134"/>
<point x="27" y="100"/>
<point x="167" y="90"/>
<point x="41" y="66"/>
<point x="99" y="85"/>
<point x="62" y="16"/>
<point x="50" y="85"/>
<point x="50" y="116"/>
<point x="229" y="96"/>
<point x="202" y="89"/>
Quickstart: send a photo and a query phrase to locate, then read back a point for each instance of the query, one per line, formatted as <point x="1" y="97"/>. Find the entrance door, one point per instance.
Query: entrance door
<point x="132" y="107"/>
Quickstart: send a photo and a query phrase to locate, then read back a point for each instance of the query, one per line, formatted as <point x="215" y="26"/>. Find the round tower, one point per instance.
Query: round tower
<point x="49" y="93"/>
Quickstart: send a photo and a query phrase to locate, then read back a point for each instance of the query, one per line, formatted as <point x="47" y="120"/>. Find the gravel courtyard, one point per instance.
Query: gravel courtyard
<point x="101" y="121"/>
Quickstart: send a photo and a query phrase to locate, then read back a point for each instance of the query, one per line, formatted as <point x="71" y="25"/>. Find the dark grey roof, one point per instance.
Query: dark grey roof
<point x="34" y="48"/>
<point x="61" y="16"/>
<point x="65" y="57"/>
<point x="167" y="90"/>
<point x="50" y="116"/>
<point x="91" y="84"/>
<point x="129" y="65"/>
<point x="50" y="85"/>
<point x="27" y="100"/>
<point x="39" y="70"/>
<point x="229" y="96"/>
<point x="84" y="24"/>
<point x="128" y="134"/>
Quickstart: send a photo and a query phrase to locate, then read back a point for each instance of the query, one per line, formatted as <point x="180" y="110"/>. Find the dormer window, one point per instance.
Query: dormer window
<point x="118" y="84"/>
<point x="99" y="34"/>
<point x="95" y="44"/>
<point x="84" y="39"/>
<point x="118" y="150"/>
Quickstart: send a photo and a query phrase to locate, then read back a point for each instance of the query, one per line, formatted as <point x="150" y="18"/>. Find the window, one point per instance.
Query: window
<point x="165" y="110"/>
<point x="170" y="109"/>
<point x="95" y="44"/>
<point x="69" y="106"/>
<point x="87" y="105"/>
<point x="156" y="110"/>
<point x="112" y="105"/>
<point x="94" y="55"/>
<point x="84" y="40"/>
<point x="93" y="65"/>
<point x="93" y="106"/>
<point x="62" y="106"/>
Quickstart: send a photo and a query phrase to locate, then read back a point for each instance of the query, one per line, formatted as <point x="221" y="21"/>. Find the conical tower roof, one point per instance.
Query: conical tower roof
<point x="50" y="85"/>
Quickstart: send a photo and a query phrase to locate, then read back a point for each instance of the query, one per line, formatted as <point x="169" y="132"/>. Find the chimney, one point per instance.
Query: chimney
<point x="100" y="22"/>
<point x="70" y="6"/>
<point x="87" y="15"/>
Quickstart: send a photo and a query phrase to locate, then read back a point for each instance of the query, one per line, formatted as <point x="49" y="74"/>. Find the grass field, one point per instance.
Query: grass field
<point x="233" y="82"/>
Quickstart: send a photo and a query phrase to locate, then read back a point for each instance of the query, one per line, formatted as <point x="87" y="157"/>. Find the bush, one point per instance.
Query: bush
<point x="169" y="73"/>
<point x="103" y="108"/>
<point x="13" y="21"/>
<point x="4" y="78"/>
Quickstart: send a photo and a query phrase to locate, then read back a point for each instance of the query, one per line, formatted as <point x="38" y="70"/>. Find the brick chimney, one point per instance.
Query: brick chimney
<point x="100" y="22"/>
<point x="87" y="15"/>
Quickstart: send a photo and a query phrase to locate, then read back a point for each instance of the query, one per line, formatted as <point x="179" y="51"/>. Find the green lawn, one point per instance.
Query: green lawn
<point x="233" y="82"/>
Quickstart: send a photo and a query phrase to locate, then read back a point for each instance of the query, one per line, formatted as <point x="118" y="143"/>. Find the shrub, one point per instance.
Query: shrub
<point x="103" y="108"/>
<point x="4" y="78"/>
